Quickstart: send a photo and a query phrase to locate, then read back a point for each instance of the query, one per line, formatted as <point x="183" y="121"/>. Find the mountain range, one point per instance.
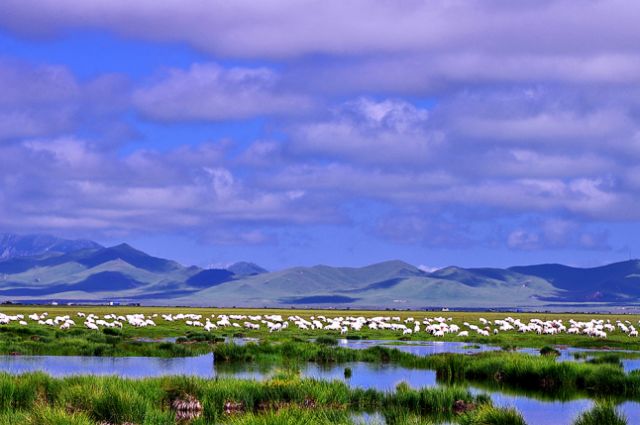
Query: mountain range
<point x="40" y="268"/>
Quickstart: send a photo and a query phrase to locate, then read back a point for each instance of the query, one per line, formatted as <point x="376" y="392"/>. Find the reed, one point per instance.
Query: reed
<point x="107" y="343"/>
<point x="549" y="351"/>
<point x="539" y="373"/>
<point x="490" y="415"/>
<point x="43" y="399"/>
<point x="601" y="413"/>
<point x="294" y="416"/>
<point x="612" y="359"/>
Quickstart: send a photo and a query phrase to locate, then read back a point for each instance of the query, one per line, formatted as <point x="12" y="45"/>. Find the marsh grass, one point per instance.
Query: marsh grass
<point x="80" y="342"/>
<point x="549" y="351"/>
<point x="347" y="373"/>
<point x="42" y="399"/>
<point x="326" y="340"/>
<point x="490" y="415"/>
<point x="294" y="416"/>
<point x="539" y="373"/>
<point x="602" y="413"/>
<point x="515" y="370"/>
<point x="612" y="359"/>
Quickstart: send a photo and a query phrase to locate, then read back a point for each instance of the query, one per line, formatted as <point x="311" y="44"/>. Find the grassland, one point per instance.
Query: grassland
<point x="601" y="413"/>
<point x="40" y="399"/>
<point x="504" y="339"/>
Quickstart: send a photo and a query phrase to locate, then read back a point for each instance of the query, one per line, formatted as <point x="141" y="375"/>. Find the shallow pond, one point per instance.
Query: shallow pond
<point x="383" y="377"/>
<point x="364" y="375"/>
<point x="556" y="412"/>
<point x="428" y="348"/>
<point x="420" y="348"/>
<point x="128" y="367"/>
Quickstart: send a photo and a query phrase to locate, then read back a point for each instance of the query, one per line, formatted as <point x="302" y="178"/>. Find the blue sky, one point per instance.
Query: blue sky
<point x="300" y="132"/>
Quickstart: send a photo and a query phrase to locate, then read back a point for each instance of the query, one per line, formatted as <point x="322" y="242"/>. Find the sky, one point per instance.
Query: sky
<point x="301" y="132"/>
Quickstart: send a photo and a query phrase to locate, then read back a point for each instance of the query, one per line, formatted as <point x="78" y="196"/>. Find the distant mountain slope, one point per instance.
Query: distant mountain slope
<point x="128" y="254"/>
<point x="12" y="245"/>
<point x="474" y="277"/>
<point x="95" y="273"/>
<point x="91" y="257"/>
<point x="388" y="284"/>
<point x="243" y="268"/>
<point x="209" y="278"/>
<point x="612" y="282"/>
<point x="56" y="269"/>
<point x="301" y="281"/>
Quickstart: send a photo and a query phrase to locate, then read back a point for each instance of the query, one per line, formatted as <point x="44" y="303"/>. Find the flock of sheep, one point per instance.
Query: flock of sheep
<point x="437" y="326"/>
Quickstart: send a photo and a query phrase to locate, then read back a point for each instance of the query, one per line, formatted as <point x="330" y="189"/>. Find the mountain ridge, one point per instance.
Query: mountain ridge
<point x="94" y="273"/>
<point x="13" y="245"/>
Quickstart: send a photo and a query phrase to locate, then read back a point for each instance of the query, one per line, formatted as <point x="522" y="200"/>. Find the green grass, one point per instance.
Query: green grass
<point x="40" y="399"/>
<point x="549" y="351"/>
<point x="601" y="414"/>
<point x="326" y="340"/>
<point x="539" y="374"/>
<point x="515" y="339"/>
<point x="32" y="340"/>
<point x="490" y="415"/>
<point x="612" y="359"/>
<point x="291" y="416"/>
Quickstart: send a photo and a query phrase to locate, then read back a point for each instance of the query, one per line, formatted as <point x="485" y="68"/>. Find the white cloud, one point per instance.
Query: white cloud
<point x="211" y="92"/>
<point x="428" y="269"/>
<point x="368" y="131"/>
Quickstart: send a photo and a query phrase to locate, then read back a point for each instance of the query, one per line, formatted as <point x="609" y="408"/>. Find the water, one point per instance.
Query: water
<point x="630" y="364"/>
<point x="429" y="348"/>
<point x="227" y="340"/>
<point x="163" y="339"/>
<point x="382" y="377"/>
<point x="566" y="355"/>
<point x="128" y="367"/>
<point x="240" y="340"/>
<point x="368" y="418"/>
<point x="420" y="348"/>
<point x="557" y="412"/>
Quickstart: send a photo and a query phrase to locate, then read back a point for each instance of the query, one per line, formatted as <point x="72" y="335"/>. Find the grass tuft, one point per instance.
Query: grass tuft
<point x="601" y="414"/>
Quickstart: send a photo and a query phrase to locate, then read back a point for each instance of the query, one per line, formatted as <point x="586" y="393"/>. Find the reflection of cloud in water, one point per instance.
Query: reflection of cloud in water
<point x="129" y="367"/>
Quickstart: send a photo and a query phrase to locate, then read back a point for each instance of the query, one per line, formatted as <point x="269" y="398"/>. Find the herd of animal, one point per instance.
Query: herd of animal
<point x="436" y="326"/>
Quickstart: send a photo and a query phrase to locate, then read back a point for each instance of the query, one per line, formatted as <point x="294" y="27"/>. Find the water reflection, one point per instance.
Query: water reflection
<point x="558" y="412"/>
<point x="429" y="348"/>
<point x="382" y="377"/>
<point x="420" y="348"/>
<point x="128" y="367"/>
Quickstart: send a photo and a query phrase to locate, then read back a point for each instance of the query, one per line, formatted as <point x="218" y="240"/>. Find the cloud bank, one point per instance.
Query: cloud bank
<point x="454" y="123"/>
